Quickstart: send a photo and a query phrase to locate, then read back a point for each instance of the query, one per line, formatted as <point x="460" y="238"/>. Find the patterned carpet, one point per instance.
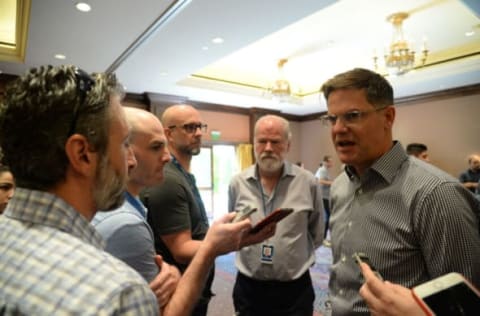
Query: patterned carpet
<point x="222" y="305"/>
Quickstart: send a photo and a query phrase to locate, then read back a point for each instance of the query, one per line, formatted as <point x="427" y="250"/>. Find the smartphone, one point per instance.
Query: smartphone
<point x="275" y="216"/>
<point x="450" y="294"/>
<point x="243" y="214"/>
<point x="362" y="257"/>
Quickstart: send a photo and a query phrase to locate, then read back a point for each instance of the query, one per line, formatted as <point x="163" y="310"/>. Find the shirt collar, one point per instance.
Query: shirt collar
<point x="46" y="209"/>
<point x="386" y="166"/>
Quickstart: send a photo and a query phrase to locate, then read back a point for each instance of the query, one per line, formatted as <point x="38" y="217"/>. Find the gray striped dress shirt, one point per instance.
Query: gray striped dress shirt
<point x="414" y="221"/>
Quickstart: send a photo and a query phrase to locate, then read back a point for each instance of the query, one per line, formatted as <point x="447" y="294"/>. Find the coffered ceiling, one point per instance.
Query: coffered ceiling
<point x="165" y="47"/>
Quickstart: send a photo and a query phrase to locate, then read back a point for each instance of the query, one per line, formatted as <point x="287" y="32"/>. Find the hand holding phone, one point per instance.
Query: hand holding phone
<point x="243" y="214"/>
<point x="362" y="257"/>
<point x="275" y="216"/>
<point x="450" y="294"/>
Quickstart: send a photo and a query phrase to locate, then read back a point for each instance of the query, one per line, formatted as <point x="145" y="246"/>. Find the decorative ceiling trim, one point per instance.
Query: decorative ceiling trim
<point x="16" y="52"/>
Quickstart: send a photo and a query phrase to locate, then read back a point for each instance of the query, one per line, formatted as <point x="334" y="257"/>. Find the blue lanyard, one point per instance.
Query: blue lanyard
<point x="136" y="204"/>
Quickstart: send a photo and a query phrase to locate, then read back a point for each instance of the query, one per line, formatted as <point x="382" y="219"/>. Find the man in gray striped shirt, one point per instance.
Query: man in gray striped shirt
<point x="412" y="220"/>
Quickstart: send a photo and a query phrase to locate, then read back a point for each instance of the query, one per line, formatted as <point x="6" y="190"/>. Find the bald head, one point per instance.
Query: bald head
<point x="141" y="121"/>
<point x="149" y="146"/>
<point x="178" y="114"/>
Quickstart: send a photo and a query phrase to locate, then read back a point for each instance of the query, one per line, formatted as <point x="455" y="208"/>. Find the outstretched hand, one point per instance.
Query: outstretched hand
<point x="254" y="238"/>
<point x="223" y="236"/>
<point x="385" y="298"/>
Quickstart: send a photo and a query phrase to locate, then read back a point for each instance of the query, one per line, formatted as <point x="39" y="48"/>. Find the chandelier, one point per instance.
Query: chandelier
<point x="280" y="89"/>
<point x="400" y="58"/>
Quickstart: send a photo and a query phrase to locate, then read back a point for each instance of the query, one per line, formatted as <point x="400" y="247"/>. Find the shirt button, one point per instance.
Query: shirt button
<point x="344" y="258"/>
<point x="340" y="292"/>
<point x="349" y="224"/>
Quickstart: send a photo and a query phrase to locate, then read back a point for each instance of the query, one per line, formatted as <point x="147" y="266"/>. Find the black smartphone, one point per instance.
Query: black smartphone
<point x="362" y="257"/>
<point x="275" y="216"/>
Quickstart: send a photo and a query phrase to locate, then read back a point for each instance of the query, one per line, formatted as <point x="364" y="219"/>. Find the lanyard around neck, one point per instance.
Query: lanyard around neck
<point x="136" y="204"/>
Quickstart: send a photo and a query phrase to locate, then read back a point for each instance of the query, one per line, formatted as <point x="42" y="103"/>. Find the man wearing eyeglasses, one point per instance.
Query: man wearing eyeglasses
<point x="412" y="220"/>
<point x="175" y="209"/>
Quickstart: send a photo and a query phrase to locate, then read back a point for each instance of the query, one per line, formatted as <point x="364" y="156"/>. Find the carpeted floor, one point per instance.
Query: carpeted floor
<point x="221" y="304"/>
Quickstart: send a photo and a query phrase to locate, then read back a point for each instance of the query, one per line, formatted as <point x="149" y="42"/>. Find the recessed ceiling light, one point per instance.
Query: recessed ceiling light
<point x="205" y="47"/>
<point x="217" y="40"/>
<point x="83" y="6"/>
<point x="60" y="56"/>
<point x="470" y="33"/>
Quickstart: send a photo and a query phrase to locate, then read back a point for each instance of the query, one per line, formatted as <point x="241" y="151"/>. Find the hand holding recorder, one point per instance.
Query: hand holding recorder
<point x="385" y="298"/>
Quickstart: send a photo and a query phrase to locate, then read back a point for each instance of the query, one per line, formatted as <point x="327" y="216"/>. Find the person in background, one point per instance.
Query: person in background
<point x="418" y="150"/>
<point x="477" y="191"/>
<point x="175" y="209"/>
<point x="7" y="187"/>
<point x="470" y="177"/>
<point x="323" y="176"/>
<point x="273" y="277"/>
<point x="413" y="221"/>
<point x="69" y="158"/>
<point x="125" y="230"/>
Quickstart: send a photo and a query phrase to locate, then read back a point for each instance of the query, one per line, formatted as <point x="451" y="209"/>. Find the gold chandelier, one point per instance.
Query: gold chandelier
<point x="400" y="58"/>
<point x="280" y="89"/>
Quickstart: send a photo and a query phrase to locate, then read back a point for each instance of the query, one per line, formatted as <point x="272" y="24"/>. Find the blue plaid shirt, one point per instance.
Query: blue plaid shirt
<point x="52" y="263"/>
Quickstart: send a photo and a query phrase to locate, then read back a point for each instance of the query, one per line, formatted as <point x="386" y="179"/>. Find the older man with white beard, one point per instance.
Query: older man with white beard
<point x="273" y="277"/>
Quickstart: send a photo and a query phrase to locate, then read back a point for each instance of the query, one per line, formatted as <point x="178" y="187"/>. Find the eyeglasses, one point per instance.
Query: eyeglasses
<point x="84" y="84"/>
<point x="348" y="118"/>
<point x="192" y="127"/>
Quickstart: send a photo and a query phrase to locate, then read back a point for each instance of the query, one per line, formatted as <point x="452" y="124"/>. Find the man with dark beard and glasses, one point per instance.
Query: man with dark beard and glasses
<point x="175" y="209"/>
<point x="65" y="137"/>
<point x="273" y="277"/>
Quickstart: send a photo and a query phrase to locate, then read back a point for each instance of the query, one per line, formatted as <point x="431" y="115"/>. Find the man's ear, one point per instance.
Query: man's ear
<point x="82" y="159"/>
<point x="168" y="133"/>
<point x="390" y="116"/>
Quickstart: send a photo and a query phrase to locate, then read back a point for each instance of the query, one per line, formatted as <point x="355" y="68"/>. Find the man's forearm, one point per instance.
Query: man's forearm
<point x="191" y="284"/>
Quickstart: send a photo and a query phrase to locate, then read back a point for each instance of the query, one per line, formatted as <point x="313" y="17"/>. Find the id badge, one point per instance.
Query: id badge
<point x="267" y="254"/>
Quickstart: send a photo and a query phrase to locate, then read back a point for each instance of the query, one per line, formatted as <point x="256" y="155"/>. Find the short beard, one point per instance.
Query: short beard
<point x="189" y="151"/>
<point x="109" y="189"/>
<point x="269" y="165"/>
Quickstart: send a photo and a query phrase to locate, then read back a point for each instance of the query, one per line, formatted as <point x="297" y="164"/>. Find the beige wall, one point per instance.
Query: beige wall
<point x="449" y="127"/>
<point x="234" y="128"/>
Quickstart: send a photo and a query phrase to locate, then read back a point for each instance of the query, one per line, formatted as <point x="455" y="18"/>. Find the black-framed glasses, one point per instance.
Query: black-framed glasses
<point x="349" y="118"/>
<point x="84" y="84"/>
<point x="192" y="127"/>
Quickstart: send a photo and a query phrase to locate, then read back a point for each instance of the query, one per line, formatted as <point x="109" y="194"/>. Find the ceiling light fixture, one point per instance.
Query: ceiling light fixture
<point x="217" y="40"/>
<point x="280" y="89"/>
<point x="400" y="58"/>
<point x="83" y="6"/>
